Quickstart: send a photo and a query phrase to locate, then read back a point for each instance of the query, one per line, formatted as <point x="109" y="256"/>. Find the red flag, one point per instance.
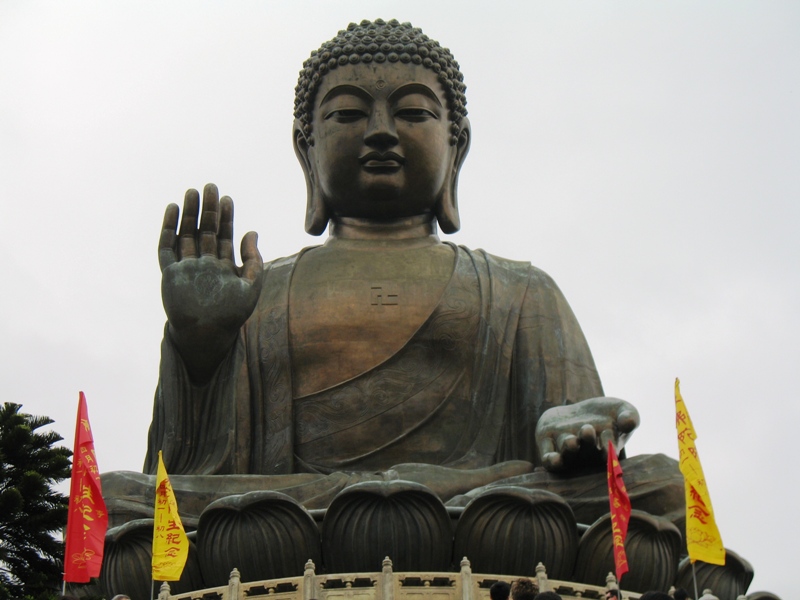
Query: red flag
<point x="620" y="511"/>
<point x="87" y="521"/>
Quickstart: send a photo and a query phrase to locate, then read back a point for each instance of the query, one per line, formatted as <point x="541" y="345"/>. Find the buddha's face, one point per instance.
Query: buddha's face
<point x="382" y="148"/>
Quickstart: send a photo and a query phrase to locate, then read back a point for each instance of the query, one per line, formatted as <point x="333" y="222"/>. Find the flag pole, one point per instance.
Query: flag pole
<point x="63" y="573"/>
<point x="694" y="578"/>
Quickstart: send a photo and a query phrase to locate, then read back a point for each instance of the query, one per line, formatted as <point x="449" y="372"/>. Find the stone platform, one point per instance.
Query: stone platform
<point x="507" y="531"/>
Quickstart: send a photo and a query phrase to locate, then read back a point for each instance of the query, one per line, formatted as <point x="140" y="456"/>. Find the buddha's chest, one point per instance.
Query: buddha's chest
<point x="351" y="310"/>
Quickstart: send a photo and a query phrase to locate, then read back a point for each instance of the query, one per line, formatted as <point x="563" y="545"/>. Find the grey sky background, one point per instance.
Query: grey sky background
<point x="645" y="154"/>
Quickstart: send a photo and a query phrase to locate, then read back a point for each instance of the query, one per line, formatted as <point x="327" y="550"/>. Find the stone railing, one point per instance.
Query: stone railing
<point x="386" y="585"/>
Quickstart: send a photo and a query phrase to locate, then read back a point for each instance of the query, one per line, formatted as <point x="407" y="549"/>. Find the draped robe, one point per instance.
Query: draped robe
<point x="466" y="390"/>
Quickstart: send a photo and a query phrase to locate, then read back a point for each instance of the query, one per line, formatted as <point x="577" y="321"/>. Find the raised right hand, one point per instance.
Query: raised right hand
<point x="207" y="298"/>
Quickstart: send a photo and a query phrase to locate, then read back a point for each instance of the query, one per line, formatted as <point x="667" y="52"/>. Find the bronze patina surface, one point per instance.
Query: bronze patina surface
<point x="384" y="345"/>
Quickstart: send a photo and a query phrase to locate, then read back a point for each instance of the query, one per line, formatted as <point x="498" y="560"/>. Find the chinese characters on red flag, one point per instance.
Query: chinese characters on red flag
<point x="170" y="544"/>
<point x="87" y="521"/>
<point x="620" y="505"/>
<point x="702" y="536"/>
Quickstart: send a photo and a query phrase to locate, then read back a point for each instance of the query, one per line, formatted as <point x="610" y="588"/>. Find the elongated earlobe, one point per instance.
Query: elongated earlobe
<point x="316" y="212"/>
<point x="447" y="206"/>
<point x="447" y="211"/>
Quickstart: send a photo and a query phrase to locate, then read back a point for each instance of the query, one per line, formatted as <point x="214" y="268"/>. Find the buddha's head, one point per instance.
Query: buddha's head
<point x="380" y="127"/>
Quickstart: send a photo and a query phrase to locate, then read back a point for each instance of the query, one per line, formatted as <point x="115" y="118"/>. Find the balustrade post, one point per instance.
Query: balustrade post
<point x="310" y="581"/>
<point x="466" y="579"/>
<point x="611" y="583"/>
<point x="163" y="591"/>
<point x="541" y="578"/>
<point x="234" y="592"/>
<point x="387" y="575"/>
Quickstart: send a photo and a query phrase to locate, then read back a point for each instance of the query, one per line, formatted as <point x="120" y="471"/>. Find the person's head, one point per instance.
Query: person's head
<point x="612" y="594"/>
<point x="680" y="594"/>
<point x="523" y="589"/>
<point x="654" y="596"/>
<point x="121" y="597"/>
<point x="380" y="127"/>
<point x="547" y="596"/>
<point x="500" y="590"/>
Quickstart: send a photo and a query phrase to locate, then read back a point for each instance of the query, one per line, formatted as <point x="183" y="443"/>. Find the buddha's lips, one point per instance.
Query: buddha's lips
<point x="381" y="161"/>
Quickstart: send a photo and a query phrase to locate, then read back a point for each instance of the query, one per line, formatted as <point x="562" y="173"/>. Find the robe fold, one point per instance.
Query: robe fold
<point x="466" y="390"/>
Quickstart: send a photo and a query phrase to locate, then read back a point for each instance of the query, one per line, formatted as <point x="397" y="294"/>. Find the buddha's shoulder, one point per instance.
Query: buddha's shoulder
<point x="285" y="263"/>
<point x="515" y="269"/>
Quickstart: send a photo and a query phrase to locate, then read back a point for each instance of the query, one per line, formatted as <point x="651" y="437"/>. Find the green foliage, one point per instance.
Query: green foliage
<point x="31" y="511"/>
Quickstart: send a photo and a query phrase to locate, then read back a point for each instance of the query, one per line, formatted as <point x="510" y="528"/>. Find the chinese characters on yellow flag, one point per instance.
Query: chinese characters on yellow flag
<point x="170" y="544"/>
<point x="702" y="536"/>
<point x="620" y="511"/>
<point x="87" y="520"/>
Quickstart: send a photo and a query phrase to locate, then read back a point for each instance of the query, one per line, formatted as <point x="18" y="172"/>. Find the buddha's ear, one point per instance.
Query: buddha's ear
<point x="316" y="213"/>
<point x="447" y="206"/>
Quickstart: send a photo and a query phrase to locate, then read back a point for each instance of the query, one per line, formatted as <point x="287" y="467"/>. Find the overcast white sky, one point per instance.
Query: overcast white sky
<point x="645" y="154"/>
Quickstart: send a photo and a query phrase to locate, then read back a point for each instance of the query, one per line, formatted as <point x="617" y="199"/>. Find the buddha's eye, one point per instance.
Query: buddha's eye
<point x="414" y="114"/>
<point x="346" y="115"/>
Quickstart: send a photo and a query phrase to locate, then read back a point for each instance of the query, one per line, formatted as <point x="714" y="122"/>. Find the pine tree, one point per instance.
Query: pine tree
<point x="31" y="511"/>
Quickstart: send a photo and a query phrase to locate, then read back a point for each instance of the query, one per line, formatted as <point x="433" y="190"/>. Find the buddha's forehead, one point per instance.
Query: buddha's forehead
<point x="380" y="80"/>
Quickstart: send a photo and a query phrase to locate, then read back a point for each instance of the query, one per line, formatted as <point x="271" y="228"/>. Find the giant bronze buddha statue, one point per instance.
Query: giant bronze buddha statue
<point x="384" y="345"/>
<point x="384" y="354"/>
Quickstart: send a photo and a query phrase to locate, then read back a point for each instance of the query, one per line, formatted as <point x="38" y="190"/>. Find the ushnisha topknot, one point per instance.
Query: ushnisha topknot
<point x="380" y="41"/>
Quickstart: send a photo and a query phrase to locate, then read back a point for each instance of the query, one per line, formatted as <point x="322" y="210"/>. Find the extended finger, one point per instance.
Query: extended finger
<point x="606" y="436"/>
<point x="588" y="436"/>
<point x="567" y="444"/>
<point x="253" y="263"/>
<point x="225" y="235"/>
<point x="209" y="221"/>
<point x="166" y="242"/>
<point x="551" y="460"/>
<point x="191" y="204"/>
<point x="628" y="420"/>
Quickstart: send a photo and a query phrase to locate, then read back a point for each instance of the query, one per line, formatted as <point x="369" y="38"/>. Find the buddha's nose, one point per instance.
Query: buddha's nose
<point x="381" y="130"/>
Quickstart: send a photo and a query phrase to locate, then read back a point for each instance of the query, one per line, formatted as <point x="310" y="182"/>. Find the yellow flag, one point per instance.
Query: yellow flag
<point x="170" y="544"/>
<point x="702" y="536"/>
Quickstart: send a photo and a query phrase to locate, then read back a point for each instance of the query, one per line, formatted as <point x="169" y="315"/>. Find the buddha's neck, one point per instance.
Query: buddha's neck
<point x="412" y="232"/>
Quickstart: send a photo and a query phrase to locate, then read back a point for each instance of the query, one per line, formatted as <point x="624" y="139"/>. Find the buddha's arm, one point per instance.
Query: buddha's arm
<point x="198" y="426"/>
<point x="573" y="419"/>
<point x="206" y="296"/>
